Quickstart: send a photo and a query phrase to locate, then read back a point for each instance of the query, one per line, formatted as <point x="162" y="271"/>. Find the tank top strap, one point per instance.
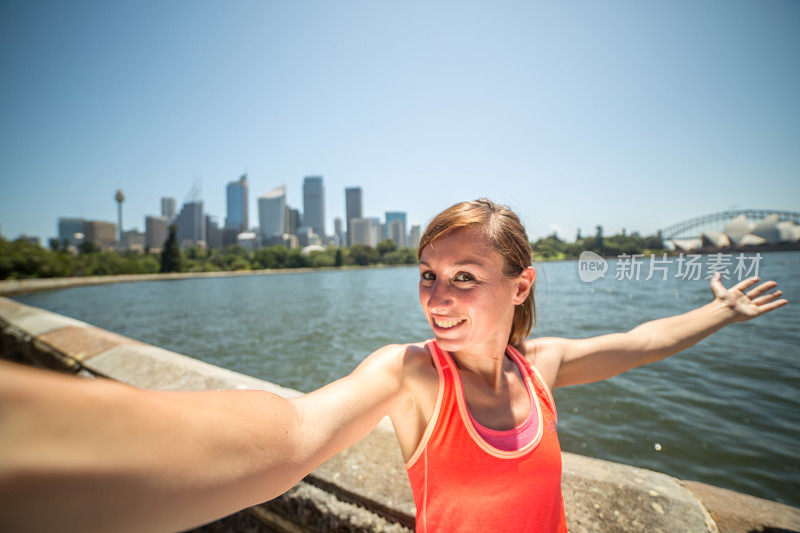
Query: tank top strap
<point x="538" y="381"/>
<point x="438" y="356"/>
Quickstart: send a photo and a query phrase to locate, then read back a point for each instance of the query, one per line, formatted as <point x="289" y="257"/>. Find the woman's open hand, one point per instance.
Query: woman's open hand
<point x="750" y="304"/>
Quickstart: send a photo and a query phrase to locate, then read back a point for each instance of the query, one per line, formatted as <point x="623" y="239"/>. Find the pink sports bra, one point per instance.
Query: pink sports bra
<point x="511" y="439"/>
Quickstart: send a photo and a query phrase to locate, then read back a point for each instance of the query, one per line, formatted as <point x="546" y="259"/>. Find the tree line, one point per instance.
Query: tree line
<point x="554" y="248"/>
<point x="21" y="259"/>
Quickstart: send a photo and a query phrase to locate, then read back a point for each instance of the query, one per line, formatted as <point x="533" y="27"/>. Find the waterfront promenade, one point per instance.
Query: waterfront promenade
<point x="365" y="487"/>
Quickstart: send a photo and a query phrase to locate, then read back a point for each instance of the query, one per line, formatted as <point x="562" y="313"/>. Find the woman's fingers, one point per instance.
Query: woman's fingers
<point x="746" y="283"/>
<point x="761" y="300"/>
<point x="761" y="289"/>
<point x="774" y="305"/>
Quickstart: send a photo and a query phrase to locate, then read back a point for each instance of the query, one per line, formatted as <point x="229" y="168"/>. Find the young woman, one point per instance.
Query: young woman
<point x="472" y="408"/>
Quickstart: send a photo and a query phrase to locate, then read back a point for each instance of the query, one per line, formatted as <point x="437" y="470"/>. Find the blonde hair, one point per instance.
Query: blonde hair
<point x="506" y="236"/>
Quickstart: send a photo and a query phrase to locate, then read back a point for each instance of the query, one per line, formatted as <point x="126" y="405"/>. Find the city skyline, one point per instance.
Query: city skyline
<point x="574" y="115"/>
<point x="275" y="218"/>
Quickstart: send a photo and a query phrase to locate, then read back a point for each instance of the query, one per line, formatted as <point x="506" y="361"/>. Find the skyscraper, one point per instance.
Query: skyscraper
<point x="314" y="204"/>
<point x="396" y="227"/>
<point x="168" y="208"/>
<point x="191" y="224"/>
<point x="337" y="230"/>
<point x="352" y="209"/>
<point x="414" y="236"/>
<point x="366" y="231"/>
<point x="294" y="220"/>
<point x="272" y="214"/>
<point x="70" y="230"/>
<point x="155" y="232"/>
<point x="237" y="204"/>
<point x="102" y="234"/>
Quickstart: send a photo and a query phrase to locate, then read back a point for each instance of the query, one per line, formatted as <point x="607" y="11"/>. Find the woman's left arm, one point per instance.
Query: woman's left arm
<point x="578" y="361"/>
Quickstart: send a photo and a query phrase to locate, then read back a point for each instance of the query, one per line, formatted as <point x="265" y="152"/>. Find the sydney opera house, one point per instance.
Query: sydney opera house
<point x="740" y="232"/>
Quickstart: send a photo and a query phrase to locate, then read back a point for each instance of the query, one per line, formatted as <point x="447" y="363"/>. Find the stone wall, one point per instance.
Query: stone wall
<point x="365" y="487"/>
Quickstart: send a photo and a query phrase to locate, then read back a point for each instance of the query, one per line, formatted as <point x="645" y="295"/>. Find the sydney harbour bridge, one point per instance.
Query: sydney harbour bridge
<point x="694" y="227"/>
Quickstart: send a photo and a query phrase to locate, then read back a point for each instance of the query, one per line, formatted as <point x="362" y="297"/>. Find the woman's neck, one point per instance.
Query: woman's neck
<point x="486" y="361"/>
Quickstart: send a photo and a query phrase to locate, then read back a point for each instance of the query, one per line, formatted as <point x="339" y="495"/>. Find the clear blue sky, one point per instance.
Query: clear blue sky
<point x="626" y="114"/>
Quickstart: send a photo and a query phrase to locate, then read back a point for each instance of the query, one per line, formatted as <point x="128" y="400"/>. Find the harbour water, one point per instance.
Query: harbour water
<point x="726" y="411"/>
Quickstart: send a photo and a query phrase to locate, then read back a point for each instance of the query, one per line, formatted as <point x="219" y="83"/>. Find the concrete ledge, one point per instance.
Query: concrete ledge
<point x="365" y="488"/>
<point x="733" y="511"/>
<point x="602" y="495"/>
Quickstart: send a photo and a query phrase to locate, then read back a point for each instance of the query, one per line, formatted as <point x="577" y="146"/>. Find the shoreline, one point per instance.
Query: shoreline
<point x="10" y="287"/>
<point x="23" y="286"/>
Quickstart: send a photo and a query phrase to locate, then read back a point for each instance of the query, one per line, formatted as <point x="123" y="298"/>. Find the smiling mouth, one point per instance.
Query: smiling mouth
<point x="447" y="324"/>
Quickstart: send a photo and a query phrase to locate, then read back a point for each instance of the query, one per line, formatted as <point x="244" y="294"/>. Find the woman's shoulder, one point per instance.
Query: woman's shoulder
<point x="544" y="354"/>
<point x="406" y="360"/>
<point x="400" y="359"/>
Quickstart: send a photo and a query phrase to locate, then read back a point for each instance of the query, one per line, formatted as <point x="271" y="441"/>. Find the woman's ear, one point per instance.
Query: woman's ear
<point x="524" y="284"/>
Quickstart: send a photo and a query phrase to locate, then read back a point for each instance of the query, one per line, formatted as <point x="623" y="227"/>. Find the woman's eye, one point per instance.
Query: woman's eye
<point x="427" y="276"/>
<point x="463" y="276"/>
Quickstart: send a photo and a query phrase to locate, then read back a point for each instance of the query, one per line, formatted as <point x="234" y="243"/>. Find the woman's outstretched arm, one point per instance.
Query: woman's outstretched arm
<point x="565" y="362"/>
<point x="97" y="455"/>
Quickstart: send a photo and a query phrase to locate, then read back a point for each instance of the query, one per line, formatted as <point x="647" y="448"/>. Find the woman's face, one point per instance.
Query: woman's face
<point x="467" y="299"/>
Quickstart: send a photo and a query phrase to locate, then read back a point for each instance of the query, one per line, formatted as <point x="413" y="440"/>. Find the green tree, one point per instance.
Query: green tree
<point x="88" y="247"/>
<point x="171" y="255"/>
<point x="265" y="258"/>
<point x="599" y="240"/>
<point x="395" y="257"/>
<point x="364" y="255"/>
<point x="320" y="259"/>
<point x="339" y="259"/>
<point x="386" y="246"/>
<point x="296" y="259"/>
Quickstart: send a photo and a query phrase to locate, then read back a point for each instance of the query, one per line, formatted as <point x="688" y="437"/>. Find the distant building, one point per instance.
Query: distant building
<point x="767" y="229"/>
<point x="155" y="232"/>
<point x="70" y="230"/>
<point x="414" y="236"/>
<point x="366" y="231"/>
<point x="307" y="237"/>
<point x="272" y="214"/>
<point x="314" y="204"/>
<point x="191" y="224"/>
<point x="102" y="234"/>
<point x="247" y="240"/>
<point x="353" y="209"/>
<point x="168" y="208"/>
<point x="213" y="233"/>
<point x="230" y="235"/>
<point x="739" y="232"/>
<point x="396" y="227"/>
<point x="788" y="231"/>
<point x="289" y="241"/>
<point x="133" y="240"/>
<point x="293" y="221"/>
<point x="237" y="196"/>
<point x="396" y="232"/>
<point x="338" y="233"/>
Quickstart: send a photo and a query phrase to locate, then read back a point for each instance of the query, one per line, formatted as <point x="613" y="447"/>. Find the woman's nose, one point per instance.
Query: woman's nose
<point x="439" y="296"/>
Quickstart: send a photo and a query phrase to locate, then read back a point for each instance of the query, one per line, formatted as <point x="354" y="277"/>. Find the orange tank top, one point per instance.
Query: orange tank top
<point x="462" y="483"/>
